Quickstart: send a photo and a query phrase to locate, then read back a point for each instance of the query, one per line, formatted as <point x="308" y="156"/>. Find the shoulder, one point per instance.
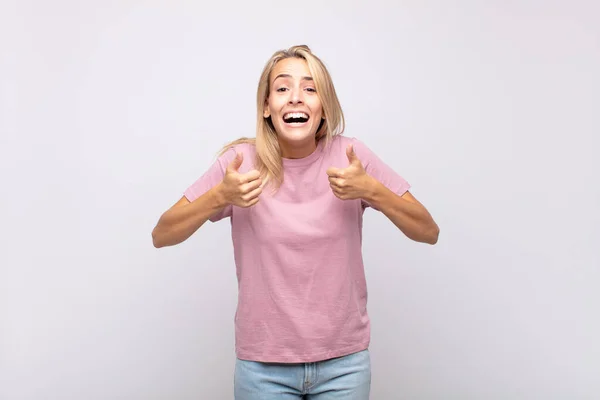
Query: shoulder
<point x="340" y="143"/>
<point x="244" y="147"/>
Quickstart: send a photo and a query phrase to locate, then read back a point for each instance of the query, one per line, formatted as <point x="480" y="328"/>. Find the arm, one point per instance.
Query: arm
<point x="405" y="211"/>
<point x="184" y="218"/>
<point x="218" y="191"/>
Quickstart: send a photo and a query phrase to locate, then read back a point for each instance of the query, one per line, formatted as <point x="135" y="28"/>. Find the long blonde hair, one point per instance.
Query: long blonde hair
<point x="268" y="153"/>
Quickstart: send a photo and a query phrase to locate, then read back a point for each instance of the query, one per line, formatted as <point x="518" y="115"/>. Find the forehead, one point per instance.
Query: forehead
<point x="296" y="67"/>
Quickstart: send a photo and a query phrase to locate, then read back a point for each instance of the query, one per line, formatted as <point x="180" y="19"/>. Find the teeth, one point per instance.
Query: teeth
<point x="295" y="115"/>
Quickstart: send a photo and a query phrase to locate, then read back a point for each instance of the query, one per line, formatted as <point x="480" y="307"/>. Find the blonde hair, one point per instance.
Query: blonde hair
<point x="268" y="153"/>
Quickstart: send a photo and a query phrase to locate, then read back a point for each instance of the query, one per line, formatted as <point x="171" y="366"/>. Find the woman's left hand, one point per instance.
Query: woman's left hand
<point x="351" y="182"/>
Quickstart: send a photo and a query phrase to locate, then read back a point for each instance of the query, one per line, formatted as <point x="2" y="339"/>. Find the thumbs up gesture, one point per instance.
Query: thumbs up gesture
<point x="241" y="190"/>
<point x="351" y="182"/>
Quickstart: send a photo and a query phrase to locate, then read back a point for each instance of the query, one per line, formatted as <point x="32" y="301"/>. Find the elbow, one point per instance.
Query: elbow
<point x="427" y="234"/>
<point x="157" y="240"/>
<point x="433" y="235"/>
<point x="165" y="236"/>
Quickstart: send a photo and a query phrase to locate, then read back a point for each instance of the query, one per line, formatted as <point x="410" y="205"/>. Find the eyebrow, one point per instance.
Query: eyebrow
<point x="304" y="78"/>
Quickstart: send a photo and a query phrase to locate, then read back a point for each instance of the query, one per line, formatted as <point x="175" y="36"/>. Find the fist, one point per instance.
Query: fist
<point x="351" y="182"/>
<point x="242" y="190"/>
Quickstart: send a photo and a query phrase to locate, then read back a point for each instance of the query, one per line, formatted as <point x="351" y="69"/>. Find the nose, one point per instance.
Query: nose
<point x="295" y="96"/>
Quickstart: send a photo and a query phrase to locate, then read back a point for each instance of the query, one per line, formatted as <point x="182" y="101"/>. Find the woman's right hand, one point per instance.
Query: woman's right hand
<point x="242" y="190"/>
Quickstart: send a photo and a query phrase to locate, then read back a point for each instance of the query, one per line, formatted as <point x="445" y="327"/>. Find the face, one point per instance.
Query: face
<point x="293" y="104"/>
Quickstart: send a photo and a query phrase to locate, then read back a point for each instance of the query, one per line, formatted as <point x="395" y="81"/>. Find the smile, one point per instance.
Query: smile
<point x="295" y="118"/>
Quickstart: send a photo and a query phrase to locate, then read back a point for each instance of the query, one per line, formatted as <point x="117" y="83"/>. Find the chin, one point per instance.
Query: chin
<point x="296" y="135"/>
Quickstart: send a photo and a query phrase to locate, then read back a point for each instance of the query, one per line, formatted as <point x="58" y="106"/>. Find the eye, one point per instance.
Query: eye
<point x="310" y="89"/>
<point x="281" y="89"/>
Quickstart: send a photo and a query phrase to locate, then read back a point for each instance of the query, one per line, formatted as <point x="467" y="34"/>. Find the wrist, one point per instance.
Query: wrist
<point x="220" y="196"/>
<point x="371" y="190"/>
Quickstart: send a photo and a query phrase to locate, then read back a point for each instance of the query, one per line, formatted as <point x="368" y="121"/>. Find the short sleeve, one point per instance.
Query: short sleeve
<point x="212" y="177"/>
<point x="379" y="170"/>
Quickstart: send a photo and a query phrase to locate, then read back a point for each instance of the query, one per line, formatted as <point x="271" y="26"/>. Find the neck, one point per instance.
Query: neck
<point x="297" y="150"/>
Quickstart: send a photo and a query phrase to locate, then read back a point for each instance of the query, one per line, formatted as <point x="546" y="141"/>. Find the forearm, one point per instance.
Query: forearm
<point x="412" y="218"/>
<point x="179" y="223"/>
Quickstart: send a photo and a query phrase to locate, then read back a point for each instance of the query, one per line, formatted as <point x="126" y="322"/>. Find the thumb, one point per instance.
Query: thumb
<point x="237" y="162"/>
<point x="352" y="157"/>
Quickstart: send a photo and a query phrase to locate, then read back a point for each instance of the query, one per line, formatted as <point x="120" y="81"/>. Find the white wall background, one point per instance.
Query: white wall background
<point x="109" y="109"/>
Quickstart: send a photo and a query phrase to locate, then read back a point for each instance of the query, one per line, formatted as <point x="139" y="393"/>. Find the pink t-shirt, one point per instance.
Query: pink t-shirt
<point x="302" y="294"/>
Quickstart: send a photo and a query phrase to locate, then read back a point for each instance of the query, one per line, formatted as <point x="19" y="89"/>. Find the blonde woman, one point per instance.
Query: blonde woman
<point x="296" y="195"/>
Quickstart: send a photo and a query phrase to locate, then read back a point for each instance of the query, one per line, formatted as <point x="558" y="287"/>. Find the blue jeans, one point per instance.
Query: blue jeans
<point x="347" y="378"/>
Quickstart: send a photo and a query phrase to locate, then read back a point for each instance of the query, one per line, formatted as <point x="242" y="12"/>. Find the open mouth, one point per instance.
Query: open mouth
<point x="296" y="118"/>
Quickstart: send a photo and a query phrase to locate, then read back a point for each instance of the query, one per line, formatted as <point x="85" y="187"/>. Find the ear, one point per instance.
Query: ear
<point x="266" y="110"/>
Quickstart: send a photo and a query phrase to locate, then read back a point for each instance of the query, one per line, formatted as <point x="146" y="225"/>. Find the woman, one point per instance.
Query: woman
<point x="296" y="195"/>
